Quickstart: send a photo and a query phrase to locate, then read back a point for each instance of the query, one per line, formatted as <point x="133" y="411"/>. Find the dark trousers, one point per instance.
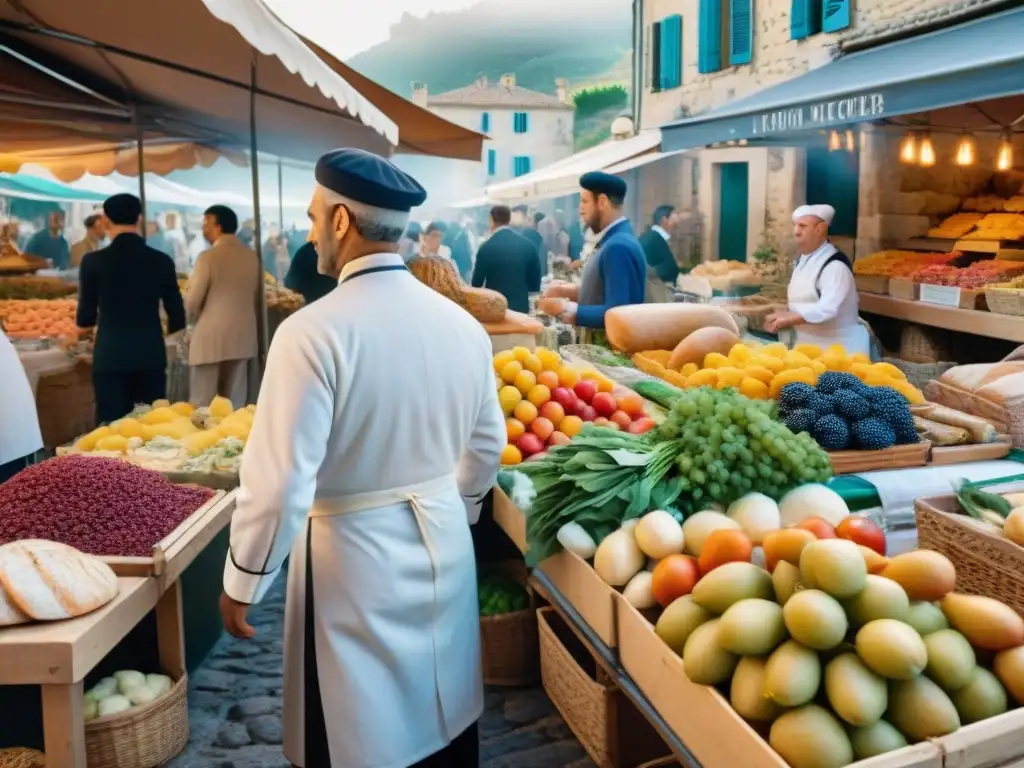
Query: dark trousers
<point x="118" y="392"/>
<point x="11" y="468"/>
<point x="464" y="752"/>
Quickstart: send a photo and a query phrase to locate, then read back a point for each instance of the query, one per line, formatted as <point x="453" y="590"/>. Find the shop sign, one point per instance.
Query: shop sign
<point x="849" y="110"/>
<point x="944" y="295"/>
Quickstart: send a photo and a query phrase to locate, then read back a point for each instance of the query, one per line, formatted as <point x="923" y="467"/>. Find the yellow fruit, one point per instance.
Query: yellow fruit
<point x="510" y="371"/>
<point x="818" y="367"/>
<point x="237" y="430"/>
<point x="509" y="398"/>
<point x="739" y="355"/>
<point x="660" y="356"/>
<point x="186" y="409"/>
<point x="539" y="395"/>
<point x="571" y="426"/>
<point x="773" y="364"/>
<point x="890" y="370"/>
<point x="909" y="391"/>
<point x="794" y="360"/>
<point x="525" y="381"/>
<point x="708" y="377"/>
<point x="514" y="429"/>
<point x="161" y="403"/>
<point x="198" y="442"/>
<point x="511" y="455"/>
<point x="675" y="379"/>
<point x="112" y="443"/>
<point x="876" y="379"/>
<point x="568" y="376"/>
<point x="805" y="375"/>
<point x="130" y="428"/>
<point x="161" y="415"/>
<point x="753" y="388"/>
<point x="860" y="370"/>
<point x="859" y="357"/>
<point x="760" y="373"/>
<point x="525" y="411"/>
<point x="728" y="377"/>
<point x="548" y="359"/>
<point x="775" y="350"/>
<point x="812" y="351"/>
<point x="520" y="353"/>
<point x="689" y="369"/>
<point x="220" y="407"/>
<point x="835" y="362"/>
<point x="532" y="363"/>
<point x="502" y="359"/>
<point x="836" y="349"/>
<point x="716" y="360"/>
<point x="604" y="384"/>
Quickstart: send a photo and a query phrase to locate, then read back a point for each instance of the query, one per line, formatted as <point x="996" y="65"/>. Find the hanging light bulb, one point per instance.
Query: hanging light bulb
<point x="851" y="142"/>
<point x="834" y="142"/>
<point x="966" y="150"/>
<point x="926" y="152"/>
<point x="1004" y="156"/>
<point x="908" y="148"/>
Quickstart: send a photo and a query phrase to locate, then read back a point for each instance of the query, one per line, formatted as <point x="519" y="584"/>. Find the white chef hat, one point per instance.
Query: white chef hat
<point x="824" y="212"/>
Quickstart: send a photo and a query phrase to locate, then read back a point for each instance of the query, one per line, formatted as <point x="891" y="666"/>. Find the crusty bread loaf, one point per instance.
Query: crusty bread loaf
<point x="999" y="370"/>
<point x="1005" y="391"/>
<point x="10" y="614"/>
<point x="48" y="581"/>
<point x="968" y="377"/>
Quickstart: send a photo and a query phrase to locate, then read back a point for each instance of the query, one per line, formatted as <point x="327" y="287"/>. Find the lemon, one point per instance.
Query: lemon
<point x="510" y="371"/>
<point x="525" y="381"/>
<point x="520" y="353"/>
<point x="511" y="455"/>
<point x="509" y="397"/>
<point x="533" y="364"/>
<point x="549" y="360"/>
<point x="502" y="359"/>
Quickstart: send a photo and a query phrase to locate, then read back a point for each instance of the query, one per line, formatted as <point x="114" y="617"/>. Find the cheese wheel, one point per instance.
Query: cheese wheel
<point x="639" y="327"/>
<point x="699" y="344"/>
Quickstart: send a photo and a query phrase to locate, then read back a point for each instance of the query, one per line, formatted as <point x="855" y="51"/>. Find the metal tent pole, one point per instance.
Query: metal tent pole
<point x="261" y="319"/>
<point x="280" y="197"/>
<point x="140" y="149"/>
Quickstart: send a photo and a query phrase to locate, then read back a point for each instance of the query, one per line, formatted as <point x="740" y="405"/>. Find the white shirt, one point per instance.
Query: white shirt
<point x="19" y="422"/>
<point x="600" y="235"/>
<point x="837" y="299"/>
<point x="662" y="232"/>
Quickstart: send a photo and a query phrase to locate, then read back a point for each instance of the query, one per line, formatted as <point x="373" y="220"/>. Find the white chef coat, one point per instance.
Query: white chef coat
<point x="831" y="315"/>
<point x="377" y="418"/>
<point x="19" y="422"/>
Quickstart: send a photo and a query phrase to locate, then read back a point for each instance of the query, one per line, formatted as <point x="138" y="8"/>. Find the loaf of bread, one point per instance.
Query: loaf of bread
<point x="1005" y="391"/>
<point x="10" y="614"/>
<point x="967" y="377"/>
<point x="49" y="581"/>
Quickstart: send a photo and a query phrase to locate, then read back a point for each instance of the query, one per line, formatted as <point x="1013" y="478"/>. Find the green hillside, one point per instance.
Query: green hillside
<point x="538" y="40"/>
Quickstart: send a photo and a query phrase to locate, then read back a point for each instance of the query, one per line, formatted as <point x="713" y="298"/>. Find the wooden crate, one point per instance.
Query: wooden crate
<point x="897" y="457"/>
<point x="904" y="289"/>
<point x="609" y="727"/>
<point x="872" y="284"/>
<point x="66" y="404"/>
<point x="961" y="454"/>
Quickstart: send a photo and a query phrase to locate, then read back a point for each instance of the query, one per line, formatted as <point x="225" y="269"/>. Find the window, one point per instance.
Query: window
<point x="709" y="34"/>
<point x="520" y="165"/>
<point x="485" y="122"/>
<point x="835" y="15"/>
<point x="809" y="17"/>
<point x="741" y="31"/>
<point x="521" y="122"/>
<point x="667" y="53"/>
<point x="735" y="37"/>
<point x="492" y="162"/>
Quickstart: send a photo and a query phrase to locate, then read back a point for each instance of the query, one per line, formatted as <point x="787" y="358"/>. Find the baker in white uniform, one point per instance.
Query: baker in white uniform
<point x="377" y="435"/>
<point x="20" y="437"/>
<point x="822" y="294"/>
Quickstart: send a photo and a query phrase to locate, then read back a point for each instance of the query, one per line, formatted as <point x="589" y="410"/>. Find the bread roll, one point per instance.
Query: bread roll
<point x="10" y="614"/>
<point x="48" y="581"/>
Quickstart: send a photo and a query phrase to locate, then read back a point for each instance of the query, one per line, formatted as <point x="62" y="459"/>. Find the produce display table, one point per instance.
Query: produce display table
<point x="58" y="656"/>
<point x="1006" y="327"/>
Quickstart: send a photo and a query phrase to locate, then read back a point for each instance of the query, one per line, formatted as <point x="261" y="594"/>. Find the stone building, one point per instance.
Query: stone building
<point x="699" y="58"/>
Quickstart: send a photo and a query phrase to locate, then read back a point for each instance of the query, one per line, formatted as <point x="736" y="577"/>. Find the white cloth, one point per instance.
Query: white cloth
<point x="824" y="212"/>
<point x="661" y="231"/>
<point x="19" y="421"/>
<point x="360" y="402"/>
<point x="176" y="239"/>
<point x="831" y="315"/>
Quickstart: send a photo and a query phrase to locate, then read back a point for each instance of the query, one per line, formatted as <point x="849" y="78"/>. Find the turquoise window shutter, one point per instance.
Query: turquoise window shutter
<point x="741" y="31"/>
<point x="492" y="162"/>
<point x="804" y="18"/>
<point x="485" y="122"/>
<point x="835" y="15"/>
<point x="526" y="122"/>
<point x="709" y="53"/>
<point x="671" y="63"/>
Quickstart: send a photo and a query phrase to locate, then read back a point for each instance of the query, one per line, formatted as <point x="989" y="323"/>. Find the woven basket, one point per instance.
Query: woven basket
<point x="508" y="642"/>
<point x="66" y="404"/>
<point x="986" y="563"/>
<point x="609" y="727"/>
<point x="22" y="757"/>
<point x="145" y="737"/>
<point x="1005" y="301"/>
<point x="919" y="374"/>
<point x="923" y="345"/>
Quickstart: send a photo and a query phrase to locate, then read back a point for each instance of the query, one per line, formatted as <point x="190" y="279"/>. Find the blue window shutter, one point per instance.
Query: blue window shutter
<point x="526" y="122"/>
<point x="741" y="31"/>
<point x="835" y="15"/>
<point x="664" y="54"/>
<point x="804" y="18"/>
<point x="674" y="43"/>
<point x="485" y="122"/>
<point x="709" y="53"/>
<point x="526" y="165"/>
<point x="492" y="162"/>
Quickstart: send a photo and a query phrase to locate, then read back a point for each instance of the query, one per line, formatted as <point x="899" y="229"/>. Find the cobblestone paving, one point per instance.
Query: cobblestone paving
<point x="235" y="709"/>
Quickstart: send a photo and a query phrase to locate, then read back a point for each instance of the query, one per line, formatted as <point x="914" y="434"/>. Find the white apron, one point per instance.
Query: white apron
<point x="803" y="290"/>
<point x="374" y="675"/>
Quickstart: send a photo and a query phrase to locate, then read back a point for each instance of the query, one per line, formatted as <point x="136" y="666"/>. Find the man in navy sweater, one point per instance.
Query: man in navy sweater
<point x="616" y="273"/>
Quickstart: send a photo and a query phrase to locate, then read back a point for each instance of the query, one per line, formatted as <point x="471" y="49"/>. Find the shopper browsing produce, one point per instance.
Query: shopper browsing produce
<point x="822" y="292"/>
<point x="378" y="418"/>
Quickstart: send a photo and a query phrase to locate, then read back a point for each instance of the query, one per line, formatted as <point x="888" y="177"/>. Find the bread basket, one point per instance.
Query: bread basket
<point x="143" y="737"/>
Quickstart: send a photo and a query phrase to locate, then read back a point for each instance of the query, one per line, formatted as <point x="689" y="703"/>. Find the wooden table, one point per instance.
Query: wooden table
<point x="995" y="326"/>
<point x="58" y="655"/>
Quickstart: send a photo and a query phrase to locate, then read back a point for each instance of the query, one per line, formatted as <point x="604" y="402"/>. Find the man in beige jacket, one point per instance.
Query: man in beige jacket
<point x="222" y="298"/>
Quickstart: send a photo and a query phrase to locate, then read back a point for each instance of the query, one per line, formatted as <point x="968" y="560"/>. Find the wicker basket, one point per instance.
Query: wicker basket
<point x="21" y="757"/>
<point x="509" y="648"/>
<point x="923" y="345"/>
<point x="609" y="727"/>
<point x="66" y="404"/>
<point x="145" y="737"/>
<point x="1005" y="301"/>
<point x="919" y="374"/>
<point x="986" y="563"/>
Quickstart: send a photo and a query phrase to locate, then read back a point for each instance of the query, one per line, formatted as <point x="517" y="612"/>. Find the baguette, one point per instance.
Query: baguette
<point x="49" y="581"/>
<point x="980" y="430"/>
<point x="941" y="434"/>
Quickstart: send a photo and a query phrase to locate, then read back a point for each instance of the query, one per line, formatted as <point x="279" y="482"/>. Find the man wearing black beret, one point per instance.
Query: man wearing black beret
<point x="617" y="272"/>
<point x="377" y="436"/>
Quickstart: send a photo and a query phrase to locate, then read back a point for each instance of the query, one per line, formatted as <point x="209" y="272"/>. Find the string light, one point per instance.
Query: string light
<point x="1004" y="157"/>
<point x="966" y="150"/>
<point x="926" y="152"/>
<point x="834" y="142"/>
<point x="908" y="148"/>
<point x="851" y="142"/>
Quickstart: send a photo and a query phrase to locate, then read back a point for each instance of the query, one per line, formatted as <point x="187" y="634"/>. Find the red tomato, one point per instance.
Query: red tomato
<point x="631" y="403"/>
<point x="542" y="427"/>
<point x="565" y="398"/>
<point x="673" y="577"/>
<point x="558" y="438"/>
<point x="529" y="444"/>
<point x="604" y="404"/>
<point x="587" y="413"/>
<point x="622" y="418"/>
<point x="553" y="412"/>
<point x="640" y="426"/>
<point x="585" y="390"/>
<point x="819" y="527"/>
<point x="862" y="531"/>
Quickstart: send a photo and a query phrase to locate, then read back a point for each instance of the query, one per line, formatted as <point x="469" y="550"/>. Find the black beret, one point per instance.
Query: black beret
<point x="123" y="209"/>
<point x="601" y="183"/>
<point x="369" y="179"/>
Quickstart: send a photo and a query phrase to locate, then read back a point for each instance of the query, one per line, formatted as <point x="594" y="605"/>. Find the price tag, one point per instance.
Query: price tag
<point x="946" y="295"/>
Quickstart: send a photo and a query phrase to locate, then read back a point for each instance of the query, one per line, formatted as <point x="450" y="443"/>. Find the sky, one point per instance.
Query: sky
<point x="337" y="25"/>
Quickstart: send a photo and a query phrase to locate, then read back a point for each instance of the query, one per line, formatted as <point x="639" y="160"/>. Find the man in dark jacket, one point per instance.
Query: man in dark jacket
<point x="655" y="242"/>
<point x="303" y="276"/>
<point x="507" y="263"/>
<point x="122" y="286"/>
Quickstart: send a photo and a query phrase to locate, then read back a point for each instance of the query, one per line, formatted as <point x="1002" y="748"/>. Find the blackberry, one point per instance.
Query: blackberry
<point x="872" y="434"/>
<point x="889" y="405"/>
<point x="831" y="433"/>
<point x="831" y="382"/>
<point x="904" y="428"/>
<point x="823" y="405"/>
<point x="795" y="395"/>
<point x="800" y="420"/>
<point x="851" y="406"/>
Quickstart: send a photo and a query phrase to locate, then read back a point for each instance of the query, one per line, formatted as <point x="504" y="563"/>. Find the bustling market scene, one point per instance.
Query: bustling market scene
<point x="407" y="388"/>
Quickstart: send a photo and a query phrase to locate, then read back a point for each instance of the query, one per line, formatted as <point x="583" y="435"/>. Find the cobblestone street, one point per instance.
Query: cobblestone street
<point x="235" y="709"/>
